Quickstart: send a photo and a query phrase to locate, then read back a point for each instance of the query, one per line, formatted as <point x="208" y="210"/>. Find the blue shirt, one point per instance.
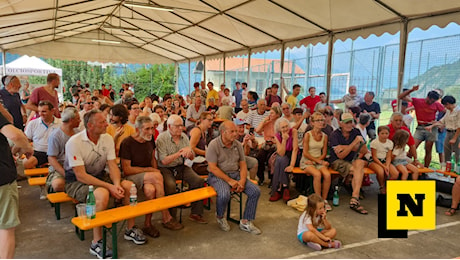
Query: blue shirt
<point x="238" y="94"/>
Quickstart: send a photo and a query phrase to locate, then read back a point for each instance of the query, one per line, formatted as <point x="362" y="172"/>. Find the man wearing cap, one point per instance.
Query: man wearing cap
<point x="425" y="111"/>
<point x="249" y="143"/>
<point x="347" y="145"/>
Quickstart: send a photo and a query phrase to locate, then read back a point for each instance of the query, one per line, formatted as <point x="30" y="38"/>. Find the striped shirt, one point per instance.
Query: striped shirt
<point x="166" y="146"/>
<point x="451" y="120"/>
<point x="254" y="119"/>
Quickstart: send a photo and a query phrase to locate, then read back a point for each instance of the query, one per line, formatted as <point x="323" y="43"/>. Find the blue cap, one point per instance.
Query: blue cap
<point x="238" y="121"/>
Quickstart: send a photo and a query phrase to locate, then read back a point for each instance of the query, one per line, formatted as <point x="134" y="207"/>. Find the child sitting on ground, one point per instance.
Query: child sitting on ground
<point x="381" y="149"/>
<point x="314" y="229"/>
<point x="400" y="158"/>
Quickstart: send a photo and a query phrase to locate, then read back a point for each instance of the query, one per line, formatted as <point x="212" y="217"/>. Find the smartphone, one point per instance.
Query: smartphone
<point x="251" y="130"/>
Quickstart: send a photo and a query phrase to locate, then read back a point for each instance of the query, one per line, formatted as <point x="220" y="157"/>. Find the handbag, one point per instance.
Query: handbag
<point x="201" y="168"/>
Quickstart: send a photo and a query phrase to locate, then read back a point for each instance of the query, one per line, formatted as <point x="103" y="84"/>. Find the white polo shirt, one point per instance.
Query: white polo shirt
<point x="37" y="131"/>
<point x="80" y="151"/>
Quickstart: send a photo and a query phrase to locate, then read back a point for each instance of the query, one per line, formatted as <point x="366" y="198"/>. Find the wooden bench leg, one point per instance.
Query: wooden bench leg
<point x="80" y="233"/>
<point x="57" y="210"/>
<point x="113" y="230"/>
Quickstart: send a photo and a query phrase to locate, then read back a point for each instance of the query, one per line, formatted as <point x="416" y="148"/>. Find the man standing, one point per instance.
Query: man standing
<point x="228" y="171"/>
<point x="273" y="97"/>
<point x="238" y="94"/>
<point x="292" y="99"/>
<point x="56" y="149"/>
<point x="105" y="91"/>
<point x="352" y="99"/>
<point x="212" y="93"/>
<point x="311" y="101"/>
<point x="9" y="96"/>
<point x="425" y="111"/>
<point x="373" y="109"/>
<point x="202" y="93"/>
<point x="87" y="154"/>
<point x="47" y="92"/>
<point x="345" y="142"/>
<point x="38" y="131"/>
<point x="173" y="148"/>
<point x="221" y="92"/>
<point x="244" y="91"/>
<point x="9" y="203"/>
<point x="141" y="169"/>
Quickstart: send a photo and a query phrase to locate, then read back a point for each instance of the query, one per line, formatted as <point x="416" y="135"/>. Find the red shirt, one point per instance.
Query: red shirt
<point x="393" y="131"/>
<point x="310" y="102"/>
<point x="394" y="105"/>
<point x="106" y="92"/>
<point x="426" y="113"/>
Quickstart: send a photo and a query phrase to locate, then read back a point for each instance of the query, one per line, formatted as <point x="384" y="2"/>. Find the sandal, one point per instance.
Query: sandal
<point x="356" y="206"/>
<point x="450" y="212"/>
<point x="327" y="207"/>
<point x="335" y="244"/>
<point x="382" y="190"/>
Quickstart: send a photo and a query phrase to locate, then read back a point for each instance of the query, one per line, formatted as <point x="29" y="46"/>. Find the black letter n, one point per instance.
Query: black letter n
<point x="406" y="200"/>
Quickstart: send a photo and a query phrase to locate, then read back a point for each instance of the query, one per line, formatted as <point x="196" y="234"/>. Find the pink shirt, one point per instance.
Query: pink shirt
<point x="426" y="113"/>
<point x="40" y="94"/>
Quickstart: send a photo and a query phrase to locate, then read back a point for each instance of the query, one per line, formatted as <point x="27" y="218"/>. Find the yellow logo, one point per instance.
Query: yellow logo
<point x="411" y="205"/>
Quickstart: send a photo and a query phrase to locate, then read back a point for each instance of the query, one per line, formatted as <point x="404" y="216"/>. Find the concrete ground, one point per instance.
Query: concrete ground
<point x="42" y="236"/>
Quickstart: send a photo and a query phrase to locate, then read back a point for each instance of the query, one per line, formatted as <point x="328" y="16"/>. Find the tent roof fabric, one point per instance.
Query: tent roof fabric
<point x="195" y="28"/>
<point x="31" y="66"/>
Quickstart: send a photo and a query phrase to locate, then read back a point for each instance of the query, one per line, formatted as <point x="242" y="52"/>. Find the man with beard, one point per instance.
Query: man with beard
<point x="142" y="170"/>
<point x="47" y="92"/>
<point x="352" y="99"/>
<point x="118" y="128"/>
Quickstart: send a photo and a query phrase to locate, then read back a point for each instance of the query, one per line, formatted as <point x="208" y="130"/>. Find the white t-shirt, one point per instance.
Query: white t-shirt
<point x="304" y="220"/>
<point x="242" y="115"/>
<point x="400" y="153"/>
<point x="382" y="148"/>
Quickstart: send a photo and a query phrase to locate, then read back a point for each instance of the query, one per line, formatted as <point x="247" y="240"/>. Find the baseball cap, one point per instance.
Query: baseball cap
<point x="238" y="121"/>
<point x="346" y="117"/>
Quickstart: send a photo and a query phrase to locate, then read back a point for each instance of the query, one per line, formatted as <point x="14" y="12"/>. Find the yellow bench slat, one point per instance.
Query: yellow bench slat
<point x="36" y="172"/>
<point x="452" y="174"/>
<point x="58" y="197"/>
<point x="107" y="217"/>
<point x="37" y="181"/>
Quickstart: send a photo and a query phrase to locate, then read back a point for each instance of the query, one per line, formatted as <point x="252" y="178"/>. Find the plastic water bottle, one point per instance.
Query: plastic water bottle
<point x="91" y="203"/>
<point x="335" y="198"/>
<point x="454" y="164"/>
<point x="133" y="195"/>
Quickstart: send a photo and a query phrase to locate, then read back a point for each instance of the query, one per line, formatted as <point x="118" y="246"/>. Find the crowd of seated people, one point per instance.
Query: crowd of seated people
<point x="264" y="138"/>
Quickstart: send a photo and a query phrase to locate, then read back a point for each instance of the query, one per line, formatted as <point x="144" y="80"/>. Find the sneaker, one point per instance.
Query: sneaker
<point x="275" y="197"/>
<point x="327" y="207"/>
<point x="96" y="249"/>
<point x="249" y="227"/>
<point x="314" y="246"/>
<point x="197" y="218"/>
<point x="42" y="193"/>
<point x="286" y="195"/>
<point x="223" y="224"/>
<point x="135" y="234"/>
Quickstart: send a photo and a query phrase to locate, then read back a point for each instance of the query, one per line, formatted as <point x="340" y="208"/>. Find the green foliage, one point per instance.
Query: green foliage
<point x="157" y="79"/>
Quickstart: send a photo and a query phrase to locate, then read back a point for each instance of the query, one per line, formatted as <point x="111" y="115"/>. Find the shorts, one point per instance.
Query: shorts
<point x="137" y="179"/>
<point x="342" y="166"/>
<point x="303" y="164"/>
<point x="9" y="206"/>
<point x="299" y="236"/>
<point x="251" y="162"/>
<point x="53" y="175"/>
<point x="397" y="162"/>
<point x="42" y="157"/>
<point x="79" y="190"/>
<point x="381" y="160"/>
<point x="425" y="135"/>
<point x="440" y="142"/>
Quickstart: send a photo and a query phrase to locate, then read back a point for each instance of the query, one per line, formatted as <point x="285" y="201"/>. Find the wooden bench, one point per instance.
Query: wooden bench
<point x="37" y="181"/>
<point x="333" y="172"/>
<point x="36" y="172"/>
<point x="451" y="174"/>
<point x="56" y="199"/>
<point x="108" y="219"/>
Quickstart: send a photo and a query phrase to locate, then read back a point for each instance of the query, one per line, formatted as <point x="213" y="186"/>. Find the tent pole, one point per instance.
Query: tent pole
<point x="225" y="82"/>
<point x="204" y="70"/>
<point x="249" y="68"/>
<point x="282" y="86"/>
<point x="189" y="77"/>
<point x="329" y="66"/>
<point x="3" y="62"/>
<point x="176" y="75"/>
<point x="403" y="34"/>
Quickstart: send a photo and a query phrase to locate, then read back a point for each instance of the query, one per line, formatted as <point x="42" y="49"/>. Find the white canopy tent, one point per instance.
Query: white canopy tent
<point x="166" y="31"/>
<point x="30" y="66"/>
